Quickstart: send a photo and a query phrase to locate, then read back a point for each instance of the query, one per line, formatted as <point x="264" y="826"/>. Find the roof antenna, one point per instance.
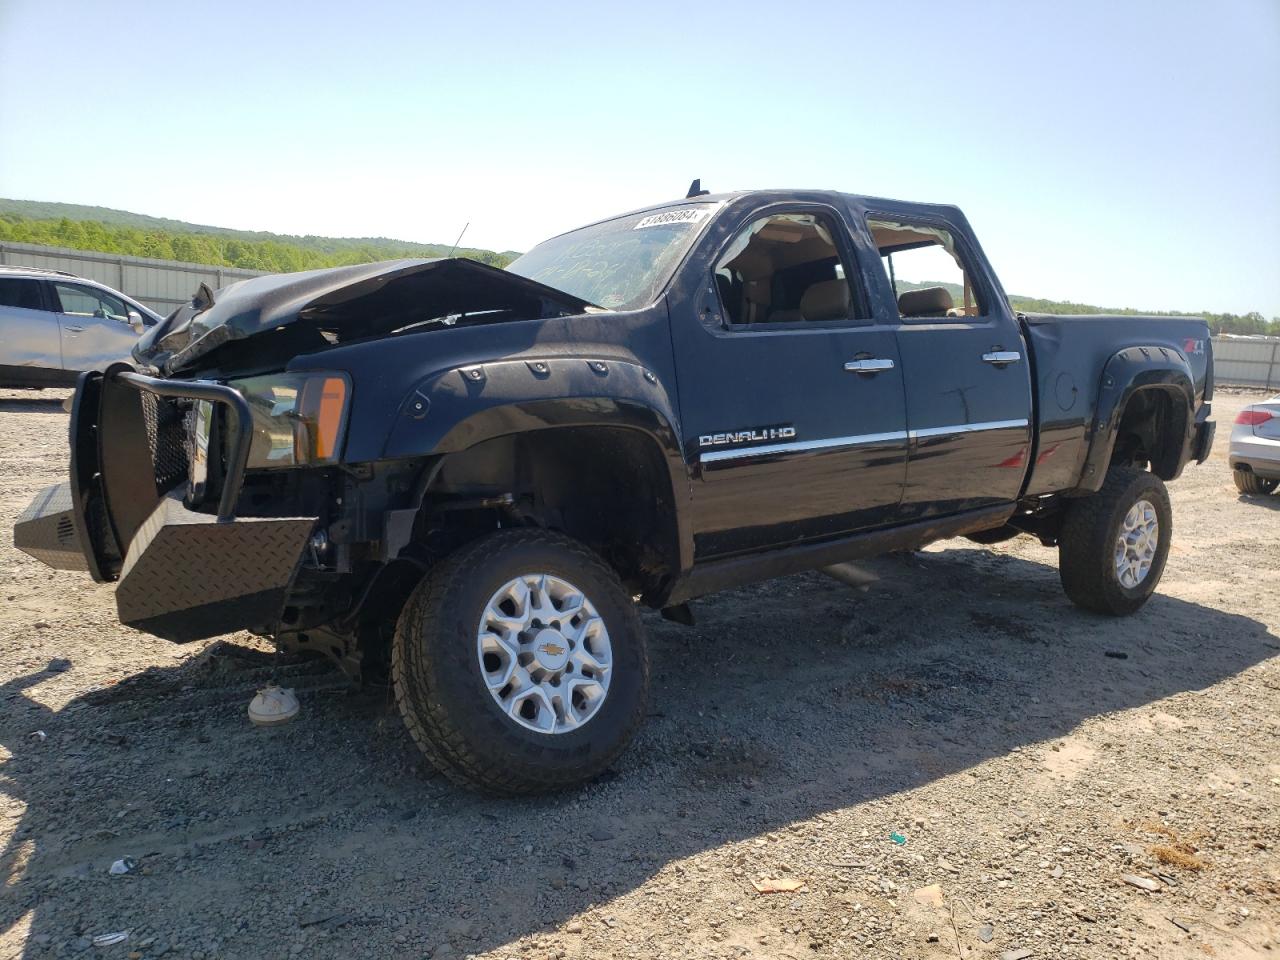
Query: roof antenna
<point x="695" y="190"/>
<point x="459" y="240"/>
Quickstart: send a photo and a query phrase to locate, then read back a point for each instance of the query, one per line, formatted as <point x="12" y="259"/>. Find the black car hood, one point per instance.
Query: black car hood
<point x="318" y="308"/>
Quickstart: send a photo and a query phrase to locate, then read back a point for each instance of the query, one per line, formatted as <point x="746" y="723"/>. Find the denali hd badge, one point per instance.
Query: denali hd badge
<point x="759" y="435"/>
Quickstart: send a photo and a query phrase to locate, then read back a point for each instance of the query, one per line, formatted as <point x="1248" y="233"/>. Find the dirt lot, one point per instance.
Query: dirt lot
<point x="957" y="724"/>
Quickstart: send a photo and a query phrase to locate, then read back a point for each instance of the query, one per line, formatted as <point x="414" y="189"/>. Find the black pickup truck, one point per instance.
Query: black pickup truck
<point x="465" y="479"/>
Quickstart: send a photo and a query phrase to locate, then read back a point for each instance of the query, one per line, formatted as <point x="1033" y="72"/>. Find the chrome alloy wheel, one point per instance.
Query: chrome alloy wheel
<point x="1136" y="545"/>
<point x="544" y="653"/>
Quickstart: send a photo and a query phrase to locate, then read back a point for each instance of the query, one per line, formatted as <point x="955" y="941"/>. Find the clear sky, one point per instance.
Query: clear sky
<point x="1117" y="153"/>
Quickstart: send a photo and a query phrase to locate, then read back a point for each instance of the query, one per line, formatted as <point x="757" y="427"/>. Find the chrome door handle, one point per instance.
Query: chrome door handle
<point x="73" y="329"/>
<point x="868" y="366"/>
<point x="1002" y="358"/>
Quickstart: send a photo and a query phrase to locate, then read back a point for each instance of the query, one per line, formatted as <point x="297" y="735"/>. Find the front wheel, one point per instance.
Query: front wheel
<point x="519" y="664"/>
<point x="1114" y="543"/>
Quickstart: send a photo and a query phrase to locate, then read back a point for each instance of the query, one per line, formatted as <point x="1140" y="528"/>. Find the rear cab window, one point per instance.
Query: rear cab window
<point x="928" y="271"/>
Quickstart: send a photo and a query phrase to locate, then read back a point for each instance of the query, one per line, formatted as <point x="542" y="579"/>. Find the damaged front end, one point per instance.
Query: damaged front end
<point x="212" y="502"/>
<point x="182" y="573"/>
<point x="265" y="321"/>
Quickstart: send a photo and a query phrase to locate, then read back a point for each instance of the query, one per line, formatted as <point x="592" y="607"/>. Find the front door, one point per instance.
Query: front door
<point x="95" y="327"/>
<point x="791" y="399"/>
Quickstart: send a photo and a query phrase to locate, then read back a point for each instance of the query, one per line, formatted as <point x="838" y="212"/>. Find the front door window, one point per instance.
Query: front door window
<point x="785" y="268"/>
<point x="80" y="301"/>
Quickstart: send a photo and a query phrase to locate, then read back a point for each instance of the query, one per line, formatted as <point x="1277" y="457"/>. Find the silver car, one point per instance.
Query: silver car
<point x="1255" y="447"/>
<point x="54" y="324"/>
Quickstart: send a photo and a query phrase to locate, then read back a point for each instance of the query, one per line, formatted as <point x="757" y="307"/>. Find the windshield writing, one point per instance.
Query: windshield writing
<point x="621" y="264"/>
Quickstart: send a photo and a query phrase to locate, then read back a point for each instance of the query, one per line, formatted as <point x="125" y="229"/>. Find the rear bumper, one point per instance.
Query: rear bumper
<point x="1259" y="455"/>
<point x="182" y="575"/>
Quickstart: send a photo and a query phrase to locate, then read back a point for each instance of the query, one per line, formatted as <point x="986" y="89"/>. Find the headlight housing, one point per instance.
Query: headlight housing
<point x="298" y="418"/>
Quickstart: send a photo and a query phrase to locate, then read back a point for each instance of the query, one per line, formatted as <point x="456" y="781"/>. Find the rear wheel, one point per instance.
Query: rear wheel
<point x="1249" y="482"/>
<point x="519" y="664"/>
<point x="1113" y="544"/>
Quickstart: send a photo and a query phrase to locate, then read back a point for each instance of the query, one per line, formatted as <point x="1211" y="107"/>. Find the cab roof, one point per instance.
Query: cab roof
<point x="882" y="204"/>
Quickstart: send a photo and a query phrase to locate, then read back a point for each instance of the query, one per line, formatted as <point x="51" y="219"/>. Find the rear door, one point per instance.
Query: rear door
<point x="95" y="326"/>
<point x="965" y="367"/>
<point x="791" y="398"/>
<point x="28" y="329"/>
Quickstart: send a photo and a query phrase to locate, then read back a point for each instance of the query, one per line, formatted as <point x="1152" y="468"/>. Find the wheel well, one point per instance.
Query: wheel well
<point x="607" y="487"/>
<point x="1153" y="429"/>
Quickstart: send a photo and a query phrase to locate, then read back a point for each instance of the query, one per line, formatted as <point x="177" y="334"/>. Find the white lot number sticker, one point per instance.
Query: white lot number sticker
<point x="687" y="215"/>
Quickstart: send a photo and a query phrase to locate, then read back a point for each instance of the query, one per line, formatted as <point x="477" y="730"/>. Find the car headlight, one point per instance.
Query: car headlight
<point x="298" y="418"/>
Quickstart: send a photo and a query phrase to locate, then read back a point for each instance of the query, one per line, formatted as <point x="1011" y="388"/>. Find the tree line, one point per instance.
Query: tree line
<point x="274" y="255"/>
<point x="1247" y="323"/>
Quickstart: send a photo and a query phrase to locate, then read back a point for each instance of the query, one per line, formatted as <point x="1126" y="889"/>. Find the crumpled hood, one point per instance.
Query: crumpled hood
<point x="328" y="307"/>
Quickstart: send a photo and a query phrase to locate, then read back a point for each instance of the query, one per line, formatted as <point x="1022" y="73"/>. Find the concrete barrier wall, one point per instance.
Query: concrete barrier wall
<point x="1247" y="362"/>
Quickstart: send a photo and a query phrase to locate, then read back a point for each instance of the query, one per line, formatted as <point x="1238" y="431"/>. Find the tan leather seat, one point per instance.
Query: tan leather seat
<point x="755" y="293"/>
<point x="929" y="302"/>
<point x="826" y="300"/>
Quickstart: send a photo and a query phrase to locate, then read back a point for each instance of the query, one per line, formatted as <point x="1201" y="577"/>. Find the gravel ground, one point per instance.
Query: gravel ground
<point x="953" y="763"/>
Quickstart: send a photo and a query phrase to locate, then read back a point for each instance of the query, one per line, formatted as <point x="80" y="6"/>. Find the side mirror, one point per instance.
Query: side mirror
<point x="135" y="321"/>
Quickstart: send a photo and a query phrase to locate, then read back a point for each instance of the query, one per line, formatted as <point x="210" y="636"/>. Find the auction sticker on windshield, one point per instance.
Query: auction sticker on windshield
<point x="688" y="215"/>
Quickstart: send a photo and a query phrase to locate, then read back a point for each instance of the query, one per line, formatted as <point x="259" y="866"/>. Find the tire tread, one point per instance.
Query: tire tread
<point x="1249" y="483"/>
<point x="1085" y="544"/>
<point x="431" y="726"/>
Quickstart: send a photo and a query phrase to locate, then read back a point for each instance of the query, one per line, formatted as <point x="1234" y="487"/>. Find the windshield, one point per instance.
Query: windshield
<point x="619" y="264"/>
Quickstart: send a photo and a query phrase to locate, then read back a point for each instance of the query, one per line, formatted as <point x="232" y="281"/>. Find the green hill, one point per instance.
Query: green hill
<point x="120" y="231"/>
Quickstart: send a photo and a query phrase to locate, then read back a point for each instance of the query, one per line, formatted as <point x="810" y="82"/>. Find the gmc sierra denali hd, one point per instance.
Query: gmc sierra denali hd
<point x="465" y="479"/>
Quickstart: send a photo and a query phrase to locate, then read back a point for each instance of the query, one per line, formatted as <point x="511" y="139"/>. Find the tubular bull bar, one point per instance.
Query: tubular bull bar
<point x="181" y="574"/>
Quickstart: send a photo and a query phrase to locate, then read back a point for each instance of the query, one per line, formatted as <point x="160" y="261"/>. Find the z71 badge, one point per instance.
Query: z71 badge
<point x="758" y="435"/>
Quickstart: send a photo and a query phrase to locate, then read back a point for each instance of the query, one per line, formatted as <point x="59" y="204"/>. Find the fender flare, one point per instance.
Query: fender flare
<point x="456" y="409"/>
<point x="1126" y="372"/>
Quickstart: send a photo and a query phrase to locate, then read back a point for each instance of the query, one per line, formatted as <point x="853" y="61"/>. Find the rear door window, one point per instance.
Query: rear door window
<point x="927" y="270"/>
<point x="21" y="293"/>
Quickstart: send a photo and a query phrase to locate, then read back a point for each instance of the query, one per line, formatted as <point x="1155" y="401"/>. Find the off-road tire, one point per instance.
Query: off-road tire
<point x="1086" y="543"/>
<point x="1250" y="483"/>
<point x="441" y="692"/>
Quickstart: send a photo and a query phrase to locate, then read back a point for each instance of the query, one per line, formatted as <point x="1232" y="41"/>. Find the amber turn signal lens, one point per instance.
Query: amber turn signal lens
<point x="322" y="408"/>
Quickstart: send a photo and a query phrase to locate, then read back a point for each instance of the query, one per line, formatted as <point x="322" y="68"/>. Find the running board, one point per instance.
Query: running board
<point x="717" y="575"/>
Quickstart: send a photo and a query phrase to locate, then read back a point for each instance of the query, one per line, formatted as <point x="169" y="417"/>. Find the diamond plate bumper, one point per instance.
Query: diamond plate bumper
<point x="188" y="576"/>
<point x="184" y="575"/>
<point x="46" y="530"/>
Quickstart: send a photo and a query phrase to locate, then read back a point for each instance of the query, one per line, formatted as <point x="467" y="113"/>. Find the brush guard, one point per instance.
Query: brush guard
<point x="181" y="574"/>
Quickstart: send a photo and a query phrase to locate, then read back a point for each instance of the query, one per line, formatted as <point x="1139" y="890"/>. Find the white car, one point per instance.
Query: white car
<point x="1255" y="447"/>
<point x="54" y="325"/>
